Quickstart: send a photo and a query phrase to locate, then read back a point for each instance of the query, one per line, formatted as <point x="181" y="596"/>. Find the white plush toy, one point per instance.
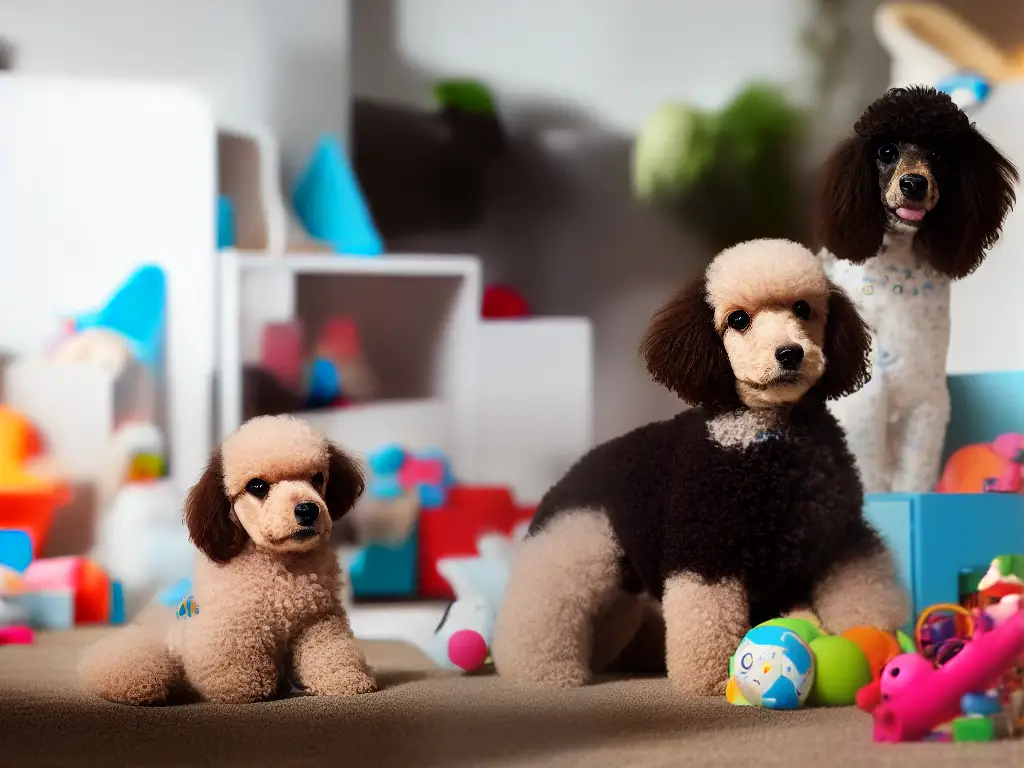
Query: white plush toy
<point x="140" y="538"/>
<point x="463" y="638"/>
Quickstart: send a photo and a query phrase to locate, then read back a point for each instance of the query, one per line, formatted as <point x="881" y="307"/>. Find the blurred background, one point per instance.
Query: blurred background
<point x="434" y="228"/>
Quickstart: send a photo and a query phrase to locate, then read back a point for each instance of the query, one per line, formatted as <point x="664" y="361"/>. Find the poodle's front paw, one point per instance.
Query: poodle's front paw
<point x="700" y="675"/>
<point x="341" y="682"/>
<point x="704" y="622"/>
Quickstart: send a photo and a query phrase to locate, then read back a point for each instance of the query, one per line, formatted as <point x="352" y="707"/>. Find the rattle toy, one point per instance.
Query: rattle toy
<point x="913" y="696"/>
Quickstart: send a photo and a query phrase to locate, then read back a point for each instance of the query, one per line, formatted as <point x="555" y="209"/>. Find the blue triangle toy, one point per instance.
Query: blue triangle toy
<point x="330" y="203"/>
<point x="137" y="311"/>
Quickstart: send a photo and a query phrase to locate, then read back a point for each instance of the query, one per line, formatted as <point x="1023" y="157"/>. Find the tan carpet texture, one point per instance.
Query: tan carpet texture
<point x="426" y="717"/>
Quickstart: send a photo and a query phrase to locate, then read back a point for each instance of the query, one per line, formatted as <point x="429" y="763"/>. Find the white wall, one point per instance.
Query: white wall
<point x="602" y="66"/>
<point x="283" y="63"/>
<point x="987" y="332"/>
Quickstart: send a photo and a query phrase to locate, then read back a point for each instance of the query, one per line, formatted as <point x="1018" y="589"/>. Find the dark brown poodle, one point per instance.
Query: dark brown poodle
<point x="915" y="160"/>
<point x="743" y="508"/>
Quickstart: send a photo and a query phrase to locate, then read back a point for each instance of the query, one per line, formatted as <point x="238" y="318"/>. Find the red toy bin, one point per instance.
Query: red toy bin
<point x="32" y="511"/>
<point x="453" y="530"/>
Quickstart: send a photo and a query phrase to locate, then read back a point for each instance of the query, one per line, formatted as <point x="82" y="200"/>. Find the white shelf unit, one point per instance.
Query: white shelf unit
<point x="419" y="322"/>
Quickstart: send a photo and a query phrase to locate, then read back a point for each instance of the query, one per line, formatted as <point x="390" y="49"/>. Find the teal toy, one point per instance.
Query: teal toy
<point x="384" y="570"/>
<point x="137" y="311"/>
<point x="330" y="203"/>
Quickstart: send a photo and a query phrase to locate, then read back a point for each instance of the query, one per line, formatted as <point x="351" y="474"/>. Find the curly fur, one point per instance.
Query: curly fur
<point x="733" y="512"/>
<point x="899" y="271"/>
<point x="268" y="587"/>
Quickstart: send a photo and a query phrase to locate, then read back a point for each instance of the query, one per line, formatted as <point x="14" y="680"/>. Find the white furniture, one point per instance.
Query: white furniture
<point x="418" y="319"/>
<point x="536" y="400"/>
<point x="511" y="402"/>
<point x="97" y="178"/>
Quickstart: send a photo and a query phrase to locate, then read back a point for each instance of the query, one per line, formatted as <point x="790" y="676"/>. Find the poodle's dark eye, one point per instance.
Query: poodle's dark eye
<point x="738" y="320"/>
<point x="318" y="480"/>
<point x="888" y="153"/>
<point x="258" y="487"/>
<point x="802" y="310"/>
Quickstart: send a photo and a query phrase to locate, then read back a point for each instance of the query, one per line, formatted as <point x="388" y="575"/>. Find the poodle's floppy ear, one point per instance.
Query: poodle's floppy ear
<point x="847" y="348"/>
<point x="208" y="515"/>
<point x="974" y="199"/>
<point x="684" y="352"/>
<point x="849" y="218"/>
<point x="345" y="483"/>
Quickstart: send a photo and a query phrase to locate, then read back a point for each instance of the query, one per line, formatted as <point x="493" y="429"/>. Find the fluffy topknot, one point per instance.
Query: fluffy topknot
<point x="917" y="114"/>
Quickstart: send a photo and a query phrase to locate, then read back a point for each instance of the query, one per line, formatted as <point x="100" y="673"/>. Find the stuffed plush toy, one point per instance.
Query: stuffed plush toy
<point x="732" y="513"/>
<point x="462" y="639"/>
<point x="266" y="612"/>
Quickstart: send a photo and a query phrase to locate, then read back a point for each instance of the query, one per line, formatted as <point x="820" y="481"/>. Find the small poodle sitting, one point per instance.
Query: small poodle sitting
<point x="910" y="202"/>
<point x="741" y="509"/>
<point x="268" y="590"/>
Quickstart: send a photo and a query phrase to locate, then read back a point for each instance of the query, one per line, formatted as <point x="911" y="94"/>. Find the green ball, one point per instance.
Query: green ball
<point x="842" y="670"/>
<point x="804" y="629"/>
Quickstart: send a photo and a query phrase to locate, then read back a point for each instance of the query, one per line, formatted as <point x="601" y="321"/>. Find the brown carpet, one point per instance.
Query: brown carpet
<point x="425" y="717"/>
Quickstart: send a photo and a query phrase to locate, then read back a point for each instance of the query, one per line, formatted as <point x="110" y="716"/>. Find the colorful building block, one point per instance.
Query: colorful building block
<point x="384" y="487"/>
<point x="48" y="610"/>
<point x="973" y="729"/>
<point x="386" y="460"/>
<point x="937" y="536"/>
<point x="385" y="570"/>
<point x="116" y="603"/>
<point x="82" y="578"/>
<point x="428" y="476"/>
<point x="16" y="636"/>
<point x="15" y="548"/>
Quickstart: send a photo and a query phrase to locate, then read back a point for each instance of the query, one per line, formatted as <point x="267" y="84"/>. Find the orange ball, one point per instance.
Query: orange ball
<point x="879" y="647"/>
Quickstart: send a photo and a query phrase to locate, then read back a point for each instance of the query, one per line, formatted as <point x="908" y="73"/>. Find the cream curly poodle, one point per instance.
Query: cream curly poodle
<point x="268" y="588"/>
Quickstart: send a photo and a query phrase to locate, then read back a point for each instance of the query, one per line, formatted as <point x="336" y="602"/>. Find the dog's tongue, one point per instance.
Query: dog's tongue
<point x="910" y="214"/>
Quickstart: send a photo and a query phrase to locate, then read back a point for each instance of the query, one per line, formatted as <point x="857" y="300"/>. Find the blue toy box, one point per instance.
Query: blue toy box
<point x="936" y="535"/>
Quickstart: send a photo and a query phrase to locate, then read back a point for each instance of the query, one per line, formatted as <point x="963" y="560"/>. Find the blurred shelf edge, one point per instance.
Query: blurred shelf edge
<point x="390" y="265"/>
<point x="510" y="401"/>
<point x="365" y="427"/>
<point x="443" y="418"/>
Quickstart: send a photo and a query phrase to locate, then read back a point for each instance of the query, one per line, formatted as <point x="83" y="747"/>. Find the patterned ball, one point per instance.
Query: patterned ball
<point x="774" y="668"/>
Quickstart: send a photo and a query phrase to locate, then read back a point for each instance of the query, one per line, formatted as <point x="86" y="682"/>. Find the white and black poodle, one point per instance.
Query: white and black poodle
<point x="908" y="203"/>
<point x="736" y="511"/>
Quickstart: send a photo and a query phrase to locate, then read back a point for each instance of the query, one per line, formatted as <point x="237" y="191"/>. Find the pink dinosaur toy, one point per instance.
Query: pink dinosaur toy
<point x="912" y="698"/>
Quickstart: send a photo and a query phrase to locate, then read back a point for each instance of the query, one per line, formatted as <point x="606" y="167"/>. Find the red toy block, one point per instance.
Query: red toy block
<point x="339" y="339"/>
<point x="453" y="530"/>
<point x="83" y="578"/>
<point x="281" y="352"/>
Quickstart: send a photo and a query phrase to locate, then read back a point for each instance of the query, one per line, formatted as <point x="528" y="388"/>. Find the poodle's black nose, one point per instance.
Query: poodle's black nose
<point x="790" y="356"/>
<point x="914" y="186"/>
<point x="307" y="512"/>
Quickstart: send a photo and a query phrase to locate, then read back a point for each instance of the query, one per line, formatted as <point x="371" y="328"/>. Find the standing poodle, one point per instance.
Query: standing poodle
<point x="268" y="588"/>
<point x="908" y="203"/>
<point x="734" y="512"/>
